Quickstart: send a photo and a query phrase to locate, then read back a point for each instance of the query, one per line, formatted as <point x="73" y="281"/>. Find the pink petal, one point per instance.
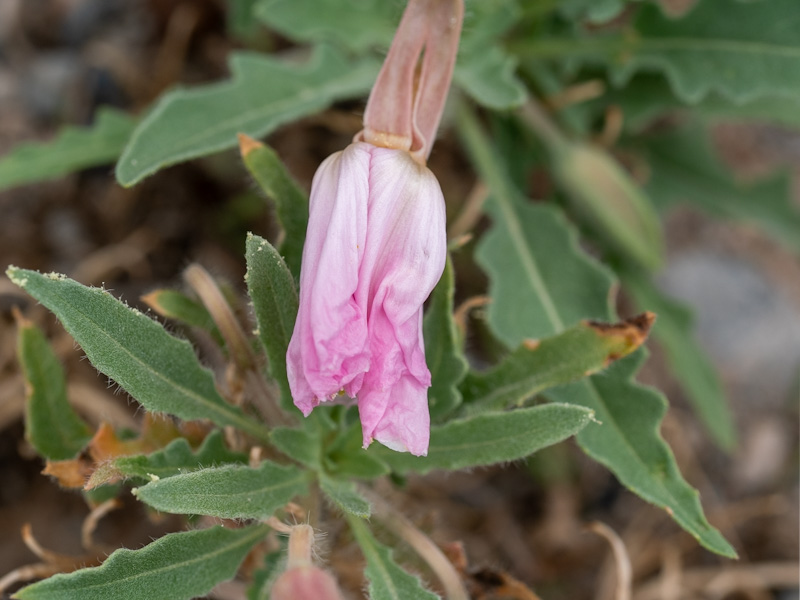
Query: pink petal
<point x="328" y="351"/>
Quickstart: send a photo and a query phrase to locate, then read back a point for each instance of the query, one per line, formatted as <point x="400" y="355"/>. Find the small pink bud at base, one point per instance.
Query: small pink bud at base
<point x="305" y="583"/>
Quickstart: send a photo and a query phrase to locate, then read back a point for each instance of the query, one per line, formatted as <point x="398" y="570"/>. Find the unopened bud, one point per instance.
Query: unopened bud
<point x="302" y="580"/>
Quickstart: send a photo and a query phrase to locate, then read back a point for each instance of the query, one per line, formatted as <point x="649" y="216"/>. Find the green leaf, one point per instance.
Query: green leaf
<point x="263" y="94"/>
<point x="301" y="445"/>
<point x="175" y="567"/>
<point x="346" y="458"/>
<point x="74" y="148"/>
<point x="175" y="305"/>
<point x="443" y="348"/>
<point x="531" y="255"/>
<point x="157" y="369"/>
<point x="52" y="427"/>
<point x="565" y="357"/>
<point x="357" y="25"/>
<point x="752" y="52"/>
<point x="628" y="442"/>
<point x="648" y="96"/>
<point x="491" y="438"/>
<point x="291" y="202"/>
<point x="595" y="11"/>
<point x="230" y="491"/>
<point x="687" y="361"/>
<point x="275" y="302"/>
<point x="345" y="496"/>
<point x="683" y="169"/>
<point x="177" y="457"/>
<point x="387" y="581"/>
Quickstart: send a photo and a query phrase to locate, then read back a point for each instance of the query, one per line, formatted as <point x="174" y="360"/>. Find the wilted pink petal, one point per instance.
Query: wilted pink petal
<point x="328" y="351"/>
<point x="376" y="244"/>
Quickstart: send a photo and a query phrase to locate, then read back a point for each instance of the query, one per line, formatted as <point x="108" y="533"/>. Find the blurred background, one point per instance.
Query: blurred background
<point x="62" y="59"/>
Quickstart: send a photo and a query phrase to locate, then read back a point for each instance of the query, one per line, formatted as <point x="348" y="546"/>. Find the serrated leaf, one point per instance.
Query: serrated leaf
<point x="484" y="69"/>
<point x="688" y="363"/>
<point x="443" y="352"/>
<point x="263" y="94"/>
<point x="177" y="566"/>
<point x="52" y="426"/>
<point x="628" y="442"/>
<point x="648" y="96"/>
<point x="345" y="496"/>
<point x="178" y="457"/>
<point x="230" y="491"/>
<point x="683" y="170"/>
<point x="291" y="202"/>
<point x="275" y="302"/>
<point x="73" y="149"/>
<point x="531" y="255"/>
<point x="387" y="581"/>
<point x="157" y="369"/>
<point x="565" y="357"/>
<point x="752" y="52"/>
<point x="491" y="438"/>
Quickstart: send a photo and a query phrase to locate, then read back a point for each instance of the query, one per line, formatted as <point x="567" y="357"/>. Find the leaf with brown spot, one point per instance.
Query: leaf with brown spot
<point x="537" y="365"/>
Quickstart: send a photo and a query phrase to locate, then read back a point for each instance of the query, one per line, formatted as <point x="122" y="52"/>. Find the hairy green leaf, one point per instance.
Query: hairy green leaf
<point x="443" y="348"/>
<point x="230" y="491"/>
<point x="175" y="567"/>
<point x="683" y="170"/>
<point x="176" y="305"/>
<point x="291" y="203"/>
<point x="263" y="94"/>
<point x="345" y="496"/>
<point x="157" y="369"/>
<point x="299" y="444"/>
<point x="74" y="148"/>
<point x="531" y="253"/>
<point x="52" y="427"/>
<point x="687" y="361"/>
<point x="176" y="458"/>
<point x="275" y="302"/>
<point x="490" y="438"/>
<point x="565" y="357"/>
<point x="387" y="581"/>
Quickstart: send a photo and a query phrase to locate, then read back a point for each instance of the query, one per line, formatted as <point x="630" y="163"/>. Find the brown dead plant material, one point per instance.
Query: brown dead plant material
<point x="53" y="562"/>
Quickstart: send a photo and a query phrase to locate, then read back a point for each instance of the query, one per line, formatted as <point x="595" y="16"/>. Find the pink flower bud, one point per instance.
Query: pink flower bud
<point x="376" y="244"/>
<point x="305" y="583"/>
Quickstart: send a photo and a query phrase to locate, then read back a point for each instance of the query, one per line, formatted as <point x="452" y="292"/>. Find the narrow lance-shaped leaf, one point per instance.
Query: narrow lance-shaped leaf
<point x="264" y="93"/>
<point x="387" y="580"/>
<point x="275" y="302"/>
<point x="531" y="255"/>
<point x="51" y="425"/>
<point x="157" y="369"/>
<point x="689" y="364"/>
<point x="684" y="170"/>
<point x="491" y="438"/>
<point x="230" y="492"/>
<point x="565" y="357"/>
<point x="174" y="459"/>
<point x="176" y="305"/>
<point x="177" y="566"/>
<point x="291" y="203"/>
<point x="443" y="348"/>
<point x="73" y="149"/>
